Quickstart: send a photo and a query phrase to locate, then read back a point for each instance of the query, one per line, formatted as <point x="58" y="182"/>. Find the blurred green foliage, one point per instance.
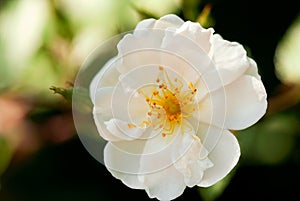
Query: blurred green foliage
<point x="5" y="154"/>
<point x="271" y="141"/>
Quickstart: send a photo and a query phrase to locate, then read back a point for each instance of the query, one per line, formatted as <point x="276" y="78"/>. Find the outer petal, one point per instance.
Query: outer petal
<point x="193" y="159"/>
<point x="123" y="129"/>
<point x="158" y="152"/>
<point x="124" y="156"/>
<point x="164" y="22"/>
<point x="224" y="156"/>
<point x="192" y="59"/>
<point x="146" y="155"/>
<point x="102" y="112"/>
<point x="212" y="108"/>
<point x="131" y="180"/>
<point x="160" y="156"/>
<point x="236" y="106"/>
<point x="107" y="76"/>
<point x="166" y="184"/>
<point x="252" y="69"/>
<point x="118" y="125"/>
<point x="194" y="34"/>
<point x="143" y="47"/>
<point x="125" y="160"/>
<point x="119" y="160"/>
<point x="167" y="21"/>
<point x="246" y="102"/>
<point x="230" y="59"/>
<point x="101" y="127"/>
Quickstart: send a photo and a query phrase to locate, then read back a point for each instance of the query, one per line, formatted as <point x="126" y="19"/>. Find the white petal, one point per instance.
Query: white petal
<point x="212" y="108"/>
<point x="143" y="47"/>
<point x="230" y="62"/>
<point x="107" y="76"/>
<point x="146" y="155"/>
<point x="193" y="160"/>
<point x="166" y="184"/>
<point x="135" y="80"/>
<point x="115" y="123"/>
<point x="142" y="39"/>
<point x="124" y="156"/>
<point x="162" y="23"/>
<point x="145" y="24"/>
<point x="230" y="58"/>
<point x="102" y="102"/>
<point x="194" y="34"/>
<point x="159" y="151"/>
<point x="101" y="127"/>
<point x="102" y="112"/>
<point x="127" y="101"/>
<point x="246" y="102"/>
<point x="141" y="56"/>
<point x="191" y="59"/>
<point x="163" y="181"/>
<point x="170" y="20"/>
<point x="123" y="129"/>
<point x="224" y="156"/>
<point x="122" y="160"/>
<point x="130" y="180"/>
<point x="236" y="106"/>
<point x="252" y="69"/>
<point x="209" y="136"/>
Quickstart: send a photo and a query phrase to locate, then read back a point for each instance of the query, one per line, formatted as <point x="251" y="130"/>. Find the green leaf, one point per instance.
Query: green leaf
<point x="77" y="97"/>
<point x="66" y="93"/>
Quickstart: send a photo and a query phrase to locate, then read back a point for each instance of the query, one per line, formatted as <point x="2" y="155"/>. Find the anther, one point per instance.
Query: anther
<point x="131" y="126"/>
<point x="155" y="93"/>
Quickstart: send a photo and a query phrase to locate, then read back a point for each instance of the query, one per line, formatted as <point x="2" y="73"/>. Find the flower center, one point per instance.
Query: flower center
<point x="169" y="103"/>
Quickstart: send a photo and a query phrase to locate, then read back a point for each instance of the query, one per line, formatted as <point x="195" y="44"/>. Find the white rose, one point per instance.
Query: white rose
<point x="167" y="101"/>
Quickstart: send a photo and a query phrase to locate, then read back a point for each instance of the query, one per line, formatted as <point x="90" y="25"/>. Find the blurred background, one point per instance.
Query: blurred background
<point x="43" y="43"/>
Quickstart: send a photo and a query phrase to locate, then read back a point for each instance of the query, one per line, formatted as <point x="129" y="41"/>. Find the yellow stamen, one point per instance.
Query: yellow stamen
<point x="169" y="103"/>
